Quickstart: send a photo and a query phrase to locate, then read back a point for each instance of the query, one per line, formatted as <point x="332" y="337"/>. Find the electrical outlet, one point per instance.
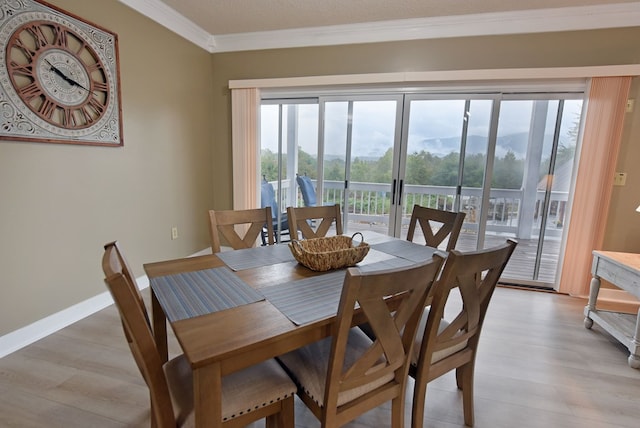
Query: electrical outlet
<point x="174" y="232"/>
<point x="620" y="179"/>
<point x="630" y="103"/>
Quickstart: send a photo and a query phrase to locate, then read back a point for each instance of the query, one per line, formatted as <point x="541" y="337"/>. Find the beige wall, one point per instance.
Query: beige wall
<point x="60" y="203"/>
<point x="623" y="225"/>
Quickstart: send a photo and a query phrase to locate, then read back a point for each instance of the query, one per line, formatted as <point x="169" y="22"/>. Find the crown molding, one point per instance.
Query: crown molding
<point x="502" y="74"/>
<point x="169" y="18"/>
<point x="499" y="23"/>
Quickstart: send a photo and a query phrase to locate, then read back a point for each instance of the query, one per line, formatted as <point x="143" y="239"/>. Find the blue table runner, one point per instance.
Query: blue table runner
<point x="190" y="294"/>
<point x="406" y="250"/>
<point x="250" y="258"/>
<point x="309" y="299"/>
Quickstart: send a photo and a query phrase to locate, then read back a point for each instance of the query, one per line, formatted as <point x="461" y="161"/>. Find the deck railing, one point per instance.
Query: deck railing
<point x="370" y="203"/>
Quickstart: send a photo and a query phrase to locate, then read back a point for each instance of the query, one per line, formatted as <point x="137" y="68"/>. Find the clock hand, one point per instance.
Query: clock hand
<point x="64" y="76"/>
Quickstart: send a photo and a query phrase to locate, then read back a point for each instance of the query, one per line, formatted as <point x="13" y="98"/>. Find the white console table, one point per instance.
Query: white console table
<point x="622" y="270"/>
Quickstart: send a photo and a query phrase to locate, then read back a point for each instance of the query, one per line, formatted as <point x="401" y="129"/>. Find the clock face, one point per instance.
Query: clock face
<point x="58" y="78"/>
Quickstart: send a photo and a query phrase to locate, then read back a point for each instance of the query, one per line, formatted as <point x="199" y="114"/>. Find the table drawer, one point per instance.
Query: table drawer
<point x="616" y="274"/>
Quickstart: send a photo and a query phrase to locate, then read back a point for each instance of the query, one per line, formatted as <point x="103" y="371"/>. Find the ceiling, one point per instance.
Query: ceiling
<point x="226" y="25"/>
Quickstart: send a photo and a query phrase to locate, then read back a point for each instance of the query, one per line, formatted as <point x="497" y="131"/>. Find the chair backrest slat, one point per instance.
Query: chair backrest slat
<point x="475" y="274"/>
<point x="447" y="224"/>
<point x="135" y="322"/>
<point x="394" y="326"/>
<point x="445" y="345"/>
<point x="117" y="262"/>
<point x="322" y="217"/>
<point x="229" y="224"/>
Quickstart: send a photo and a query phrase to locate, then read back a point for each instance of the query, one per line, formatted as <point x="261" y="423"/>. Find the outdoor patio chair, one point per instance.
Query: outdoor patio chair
<point x="268" y="199"/>
<point x="307" y="190"/>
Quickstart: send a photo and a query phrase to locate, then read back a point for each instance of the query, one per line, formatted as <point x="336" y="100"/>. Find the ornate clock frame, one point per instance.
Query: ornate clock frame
<point x="59" y="77"/>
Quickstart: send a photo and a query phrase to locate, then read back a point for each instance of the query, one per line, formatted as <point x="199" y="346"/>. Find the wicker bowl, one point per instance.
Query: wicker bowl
<point x="334" y="252"/>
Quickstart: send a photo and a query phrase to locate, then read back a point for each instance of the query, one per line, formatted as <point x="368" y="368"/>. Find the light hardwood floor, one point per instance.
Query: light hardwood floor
<point x="537" y="367"/>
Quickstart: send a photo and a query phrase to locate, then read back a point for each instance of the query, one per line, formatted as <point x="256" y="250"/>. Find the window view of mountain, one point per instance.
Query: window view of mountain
<point x="436" y="164"/>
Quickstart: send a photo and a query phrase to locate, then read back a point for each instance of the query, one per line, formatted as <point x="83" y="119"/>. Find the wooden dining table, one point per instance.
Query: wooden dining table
<point x="234" y="309"/>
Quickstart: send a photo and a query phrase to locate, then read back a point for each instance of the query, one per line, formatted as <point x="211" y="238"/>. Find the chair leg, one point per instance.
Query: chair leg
<point x="417" y="410"/>
<point x="466" y="378"/>
<point x="397" y="412"/>
<point x="285" y="418"/>
<point x="154" y="420"/>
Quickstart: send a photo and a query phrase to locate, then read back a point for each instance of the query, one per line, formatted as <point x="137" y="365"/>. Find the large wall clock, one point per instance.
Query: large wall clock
<point x="59" y="79"/>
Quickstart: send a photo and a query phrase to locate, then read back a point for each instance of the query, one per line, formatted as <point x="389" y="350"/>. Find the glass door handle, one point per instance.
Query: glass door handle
<point x="393" y="192"/>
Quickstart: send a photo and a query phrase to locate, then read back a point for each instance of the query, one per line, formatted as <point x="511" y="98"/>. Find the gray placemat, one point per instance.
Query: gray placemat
<point x="406" y="250"/>
<point x="388" y="261"/>
<point x="371" y="237"/>
<point x="308" y="299"/>
<point x="190" y="294"/>
<point x="250" y="258"/>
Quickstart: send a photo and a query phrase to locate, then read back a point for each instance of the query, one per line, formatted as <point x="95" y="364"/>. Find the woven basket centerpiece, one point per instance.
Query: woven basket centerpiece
<point x="333" y="252"/>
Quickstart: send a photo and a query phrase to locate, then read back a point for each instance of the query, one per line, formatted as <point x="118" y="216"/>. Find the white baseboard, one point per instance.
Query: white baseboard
<point x="25" y="336"/>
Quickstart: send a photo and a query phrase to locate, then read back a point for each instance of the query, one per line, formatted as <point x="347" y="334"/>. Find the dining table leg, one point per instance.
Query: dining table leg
<point x="159" y="327"/>
<point x="207" y="396"/>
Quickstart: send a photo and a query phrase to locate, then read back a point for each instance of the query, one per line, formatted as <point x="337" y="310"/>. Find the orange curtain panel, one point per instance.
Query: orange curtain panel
<point x="594" y="181"/>
<point x="245" y="127"/>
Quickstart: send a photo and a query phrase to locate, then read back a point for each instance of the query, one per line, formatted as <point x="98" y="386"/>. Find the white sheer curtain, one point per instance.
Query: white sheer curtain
<point x="245" y="140"/>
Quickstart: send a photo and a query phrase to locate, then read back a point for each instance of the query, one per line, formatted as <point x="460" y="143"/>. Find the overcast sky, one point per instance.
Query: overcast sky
<point x="374" y="124"/>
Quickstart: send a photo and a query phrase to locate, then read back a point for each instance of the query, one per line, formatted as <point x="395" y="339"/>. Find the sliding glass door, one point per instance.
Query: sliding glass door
<point x="531" y="182"/>
<point x="360" y="140"/>
<point x="446" y="142"/>
<point x="289" y="146"/>
<point x="506" y="160"/>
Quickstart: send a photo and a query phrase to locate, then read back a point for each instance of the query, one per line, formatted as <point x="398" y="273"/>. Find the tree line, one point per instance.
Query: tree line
<point x="422" y="168"/>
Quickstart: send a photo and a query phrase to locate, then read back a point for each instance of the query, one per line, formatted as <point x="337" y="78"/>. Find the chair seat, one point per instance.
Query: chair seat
<point x="242" y="392"/>
<point x="438" y="355"/>
<point x="308" y="367"/>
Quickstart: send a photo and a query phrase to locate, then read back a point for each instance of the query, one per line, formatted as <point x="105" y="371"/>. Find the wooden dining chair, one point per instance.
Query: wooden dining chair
<point x="442" y="346"/>
<point x="446" y="224"/>
<point x="229" y="224"/>
<point x="261" y="391"/>
<point x="314" y="222"/>
<point x="347" y="374"/>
